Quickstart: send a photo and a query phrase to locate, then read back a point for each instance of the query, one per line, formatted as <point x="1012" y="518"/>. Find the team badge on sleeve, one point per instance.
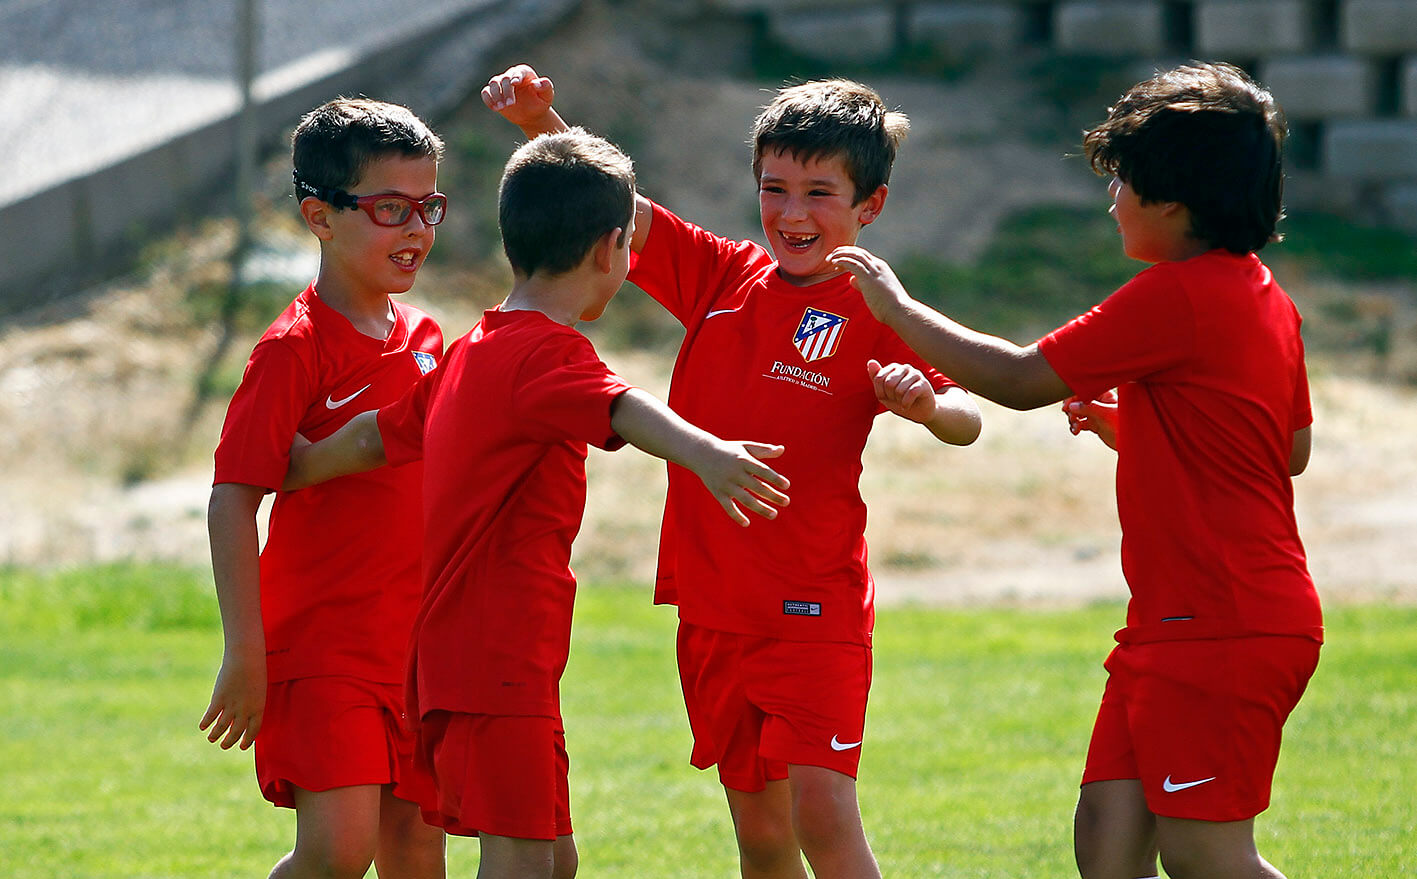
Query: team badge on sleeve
<point x="818" y="334"/>
<point x="425" y="361"/>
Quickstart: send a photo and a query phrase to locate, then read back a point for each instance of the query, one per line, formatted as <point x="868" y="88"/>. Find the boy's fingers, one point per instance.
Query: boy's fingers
<point x="763" y="450"/>
<point x="232" y="737"/>
<point x="766" y="490"/>
<point x="732" y="510"/>
<point x="768" y="476"/>
<point x="756" y="505"/>
<point x="219" y="728"/>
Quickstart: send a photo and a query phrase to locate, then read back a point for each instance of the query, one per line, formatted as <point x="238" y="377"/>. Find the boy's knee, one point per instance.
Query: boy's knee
<point x="822" y="822"/>
<point x="335" y="861"/>
<point x="766" y="841"/>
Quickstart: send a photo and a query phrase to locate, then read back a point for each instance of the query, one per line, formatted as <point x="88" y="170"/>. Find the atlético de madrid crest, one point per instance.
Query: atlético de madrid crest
<point x="819" y="334"/>
<point x="425" y="361"/>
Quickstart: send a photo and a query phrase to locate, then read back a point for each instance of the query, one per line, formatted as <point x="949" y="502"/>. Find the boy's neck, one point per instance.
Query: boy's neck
<point x="563" y="298"/>
<point x="368" y="312"/>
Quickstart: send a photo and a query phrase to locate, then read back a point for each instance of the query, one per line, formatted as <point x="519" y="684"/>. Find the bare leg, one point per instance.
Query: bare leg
<point x="827" y="821"/>
<point x="1114" y="833"/>
<point x="504" y="857"/>
<point x="1211" y="849"/>
<point x="568" y="860"/>
<point x="336" y="832"/>
<point x="767" y="846"/>
<point x="408" y="848"/>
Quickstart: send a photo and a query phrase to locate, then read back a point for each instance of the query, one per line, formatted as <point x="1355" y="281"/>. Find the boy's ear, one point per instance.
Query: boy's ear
<point x="604" y="250"/>
<point x="317" y="217"/>
<point x="872" y="205"/>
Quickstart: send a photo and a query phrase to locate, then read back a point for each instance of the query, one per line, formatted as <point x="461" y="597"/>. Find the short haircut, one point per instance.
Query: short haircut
<point x="832" y="117"/>
<point x="1207" y="136"/>
<point x="560" y="193"/>
<point x="335" y="143"/>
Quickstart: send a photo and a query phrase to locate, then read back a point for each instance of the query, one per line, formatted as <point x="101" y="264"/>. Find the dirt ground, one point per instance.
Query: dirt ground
<point x="106" y="446"/>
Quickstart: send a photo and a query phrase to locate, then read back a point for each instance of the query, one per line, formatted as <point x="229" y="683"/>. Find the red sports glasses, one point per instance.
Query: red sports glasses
<point x="384" y="210"/>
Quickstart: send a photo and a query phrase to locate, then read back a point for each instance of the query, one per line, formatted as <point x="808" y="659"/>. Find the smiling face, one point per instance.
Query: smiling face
<point x="807" y="213"/>
<point x="365" y="259"/>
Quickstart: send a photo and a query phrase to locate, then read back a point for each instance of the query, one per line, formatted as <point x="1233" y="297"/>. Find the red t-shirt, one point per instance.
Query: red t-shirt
<point x="1209" y="366"/>
<point x="340" y="569"/>
<point x="767" y="361"/>
<point x="502" y="429"/>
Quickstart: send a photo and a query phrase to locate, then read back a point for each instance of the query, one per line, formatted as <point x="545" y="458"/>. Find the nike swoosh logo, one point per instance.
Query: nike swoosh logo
<point x="332" y="403"/>
<point x="1171" y="787"/>
<point x="718" y="312"/>
<point x="843" y="746"/>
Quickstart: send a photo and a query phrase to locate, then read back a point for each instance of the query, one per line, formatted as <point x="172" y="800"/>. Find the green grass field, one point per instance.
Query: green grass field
<point x="975" y="738"/>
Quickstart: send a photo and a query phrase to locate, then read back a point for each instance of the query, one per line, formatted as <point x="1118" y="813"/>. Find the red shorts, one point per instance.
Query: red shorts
<point x="1199" y="722"/>
<point x="757" y="705"/>
<point x="335" y="731"/>
<point x="496" y="774"/>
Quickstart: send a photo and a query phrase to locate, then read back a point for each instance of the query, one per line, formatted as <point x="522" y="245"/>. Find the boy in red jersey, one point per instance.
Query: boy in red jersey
<point x="316" y="627"/>
<point x="1210" y="423"/>
<point x="775" y="623"/>
<point x="502" y="428"/>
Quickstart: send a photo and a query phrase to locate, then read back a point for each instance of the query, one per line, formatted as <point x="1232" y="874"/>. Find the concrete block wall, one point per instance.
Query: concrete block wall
<point x="1345" y="70"/>
<point x="92" y="225"/>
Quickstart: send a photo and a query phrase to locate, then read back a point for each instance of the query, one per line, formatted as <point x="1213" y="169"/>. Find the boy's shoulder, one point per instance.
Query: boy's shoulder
<point x="298" y="319"/>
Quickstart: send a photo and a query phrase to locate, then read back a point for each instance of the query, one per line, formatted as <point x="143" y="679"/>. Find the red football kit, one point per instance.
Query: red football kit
<point x="502" y="428"/>
<point x="768" y="361"/>
<point x="765" y="360"/>
<point x="340" y="569"/>
<point x="1209" y="366"/>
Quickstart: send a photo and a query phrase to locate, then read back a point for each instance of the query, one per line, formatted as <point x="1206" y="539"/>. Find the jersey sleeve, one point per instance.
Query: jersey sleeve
<point x="263" y="417"/>
<point x="565" y="392"/>
<point x="401" y="422"/>
<point x="1143" y="329"/>
<point x="682" y="266"/>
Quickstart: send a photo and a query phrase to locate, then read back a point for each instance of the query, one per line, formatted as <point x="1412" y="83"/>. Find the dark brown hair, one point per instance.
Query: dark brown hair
<point x="559" y="194"/>
<point x="1207" y="136"/>
<point x="832" y="117"/>
<point x="335" y="143"/>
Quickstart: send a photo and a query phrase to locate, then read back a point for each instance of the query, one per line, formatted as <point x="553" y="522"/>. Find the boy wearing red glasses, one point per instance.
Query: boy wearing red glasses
<point x="316" y="624"/>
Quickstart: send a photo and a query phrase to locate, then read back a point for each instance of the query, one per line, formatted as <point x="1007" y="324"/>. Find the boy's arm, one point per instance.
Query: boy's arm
<point x="730" y="471"/>
<point x="239" y="695"/>
<point x="903" y="389"/>
<point x="524" y="99"/>
<point x="354" y="448"/>
<point x="1299" y="452"/>
<point x="1017" y="377"/>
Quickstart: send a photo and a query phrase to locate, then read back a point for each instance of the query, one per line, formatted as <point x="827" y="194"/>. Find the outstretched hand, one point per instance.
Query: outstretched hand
<point x="873" y="276"/>
<point x="903" y="389"/>
<point x="734" y="474"/>
<point x="520" y="95"/>
<point x="1098" y="416"/>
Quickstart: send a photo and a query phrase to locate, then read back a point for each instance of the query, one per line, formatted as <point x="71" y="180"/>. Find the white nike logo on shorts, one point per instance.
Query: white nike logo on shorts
<point x="332" y="403"/>
<point x="843" y="746"/>
<point x="1171" y="787"/>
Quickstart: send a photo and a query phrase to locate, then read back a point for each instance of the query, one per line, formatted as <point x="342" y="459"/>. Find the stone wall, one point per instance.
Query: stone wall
<point x="1344" y="70"/>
